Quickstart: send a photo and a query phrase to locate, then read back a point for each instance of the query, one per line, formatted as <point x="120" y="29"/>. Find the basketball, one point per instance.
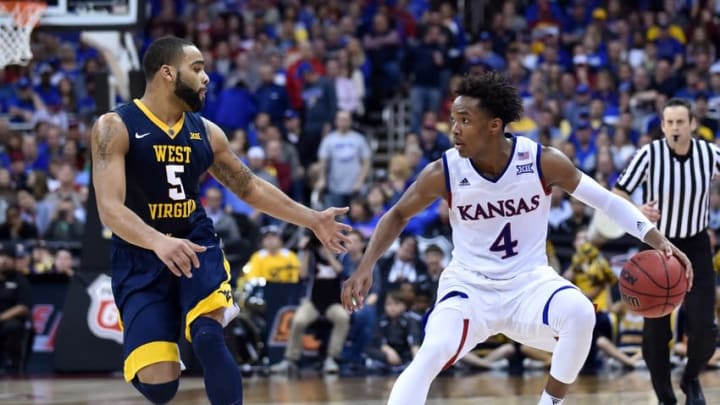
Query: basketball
<point x="651" y="284"/>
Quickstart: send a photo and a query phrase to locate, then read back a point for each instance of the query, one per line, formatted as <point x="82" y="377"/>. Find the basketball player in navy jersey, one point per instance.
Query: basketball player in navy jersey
<point x="167" y="266"/>
<point x="498" y="186"/>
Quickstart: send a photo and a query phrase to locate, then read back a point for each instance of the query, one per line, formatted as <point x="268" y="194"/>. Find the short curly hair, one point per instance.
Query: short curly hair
<point x="495" y="94"/>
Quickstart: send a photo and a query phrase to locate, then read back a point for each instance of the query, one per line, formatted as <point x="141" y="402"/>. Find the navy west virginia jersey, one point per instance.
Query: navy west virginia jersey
<point x="162" y="168"/>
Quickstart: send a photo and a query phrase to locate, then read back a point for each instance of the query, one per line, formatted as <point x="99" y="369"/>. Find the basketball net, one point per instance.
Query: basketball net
<point x="17" y="20"/>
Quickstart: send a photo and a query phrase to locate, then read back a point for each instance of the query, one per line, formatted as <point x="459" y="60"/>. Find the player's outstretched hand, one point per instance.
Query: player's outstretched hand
<point x="330" y="232"/>
<point x="355" y="289"/>
<point x="179" y="255"/>
<point x="671" y="250"/>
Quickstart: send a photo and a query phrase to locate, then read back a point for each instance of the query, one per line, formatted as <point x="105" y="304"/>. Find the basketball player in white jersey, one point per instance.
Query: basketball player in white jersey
<point x="498" y="189"/>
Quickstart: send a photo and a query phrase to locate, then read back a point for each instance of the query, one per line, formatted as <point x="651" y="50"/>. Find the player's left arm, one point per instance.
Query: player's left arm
<point x="229" y="170"/>
<point x="559" y="171"/>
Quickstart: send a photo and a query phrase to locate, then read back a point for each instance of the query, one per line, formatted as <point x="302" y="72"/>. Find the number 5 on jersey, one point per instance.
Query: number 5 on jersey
<point x="504" y="243"/>
<point x="177" y="192"/>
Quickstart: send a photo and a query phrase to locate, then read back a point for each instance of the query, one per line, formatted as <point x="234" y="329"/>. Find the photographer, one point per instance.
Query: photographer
<point x="64" y="225"/>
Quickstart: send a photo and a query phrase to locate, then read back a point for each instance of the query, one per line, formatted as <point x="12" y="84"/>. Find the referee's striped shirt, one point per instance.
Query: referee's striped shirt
<point x="679" y="184"/>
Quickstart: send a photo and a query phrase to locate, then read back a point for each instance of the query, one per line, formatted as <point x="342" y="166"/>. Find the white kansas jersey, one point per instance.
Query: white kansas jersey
<point x="499" y="226"/>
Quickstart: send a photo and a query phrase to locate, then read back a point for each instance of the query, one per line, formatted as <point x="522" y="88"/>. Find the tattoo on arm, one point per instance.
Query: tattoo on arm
<point x="236" y="177"/>
<point x="102" y="140"/>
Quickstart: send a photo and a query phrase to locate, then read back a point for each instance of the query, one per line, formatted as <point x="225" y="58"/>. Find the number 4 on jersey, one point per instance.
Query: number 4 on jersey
<point x="504" y="243"/>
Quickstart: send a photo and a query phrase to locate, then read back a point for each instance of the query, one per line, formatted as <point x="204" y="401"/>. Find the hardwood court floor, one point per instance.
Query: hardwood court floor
<point x="492" y="388"/>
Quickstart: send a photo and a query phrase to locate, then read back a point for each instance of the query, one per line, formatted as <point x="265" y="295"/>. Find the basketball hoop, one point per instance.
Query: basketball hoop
<point x="17" y="20"/>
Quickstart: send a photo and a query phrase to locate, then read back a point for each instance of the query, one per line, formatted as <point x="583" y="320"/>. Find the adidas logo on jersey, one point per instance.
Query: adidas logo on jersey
<point x="640" y="226"/>
<point x="464" y="182"/>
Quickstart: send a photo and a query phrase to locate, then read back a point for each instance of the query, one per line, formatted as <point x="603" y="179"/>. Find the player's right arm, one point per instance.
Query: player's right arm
<point x="429" y="186"/>
<point x="559" y="171"/>
<point x="109" y="144"/>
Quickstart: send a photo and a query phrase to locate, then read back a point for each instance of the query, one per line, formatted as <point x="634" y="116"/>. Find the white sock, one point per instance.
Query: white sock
<point x="547" y="399"/>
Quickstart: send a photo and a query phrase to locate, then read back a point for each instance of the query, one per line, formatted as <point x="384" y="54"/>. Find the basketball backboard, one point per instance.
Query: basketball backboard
<point x="84" y="15"/>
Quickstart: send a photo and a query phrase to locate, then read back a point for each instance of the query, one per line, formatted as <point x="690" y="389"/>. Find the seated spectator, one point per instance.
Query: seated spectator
<point x="403" y="265"/>
<point x="560" y="210"/>
<point x="15" y="228"/>
<point x="64" y="263"/>
<point x="225" y="225"/>
<point x="623" y="342"/>
<point x="271" y="97"/>
<point x="441" y="225"/>
<point x="273" y="262"/>
<point x="360" y="216"/>
<point x="592" y="274"/>
<point x="399" y="174"/>
<point x="415" y="160"/>
<point x="31" y="211"/>
<point x="41" y="258"/>
<point x="7" y="193"/>
<point x="25" y="102"/>
<point x="324" y="275"/>
<point x="359" y="338"/>
<point x="586" y="153"/>
<point x="15" y="305"/>
<point x="432" y="142"/>
<point x="622" y="148"/>
<point x="377" y="201"/>
<point x="490" y="353"/>
<point x="578" y="219"/>
<point x="274" y="153"/>
<point x="288" y="155"/>
<point x="434" y="258"/>
<point x="66" y="188"/>
<point x="22" y="260"/>
<point x="256" y="163"/>
<point x="397" y="338"/>
<point x="348" y="97"/>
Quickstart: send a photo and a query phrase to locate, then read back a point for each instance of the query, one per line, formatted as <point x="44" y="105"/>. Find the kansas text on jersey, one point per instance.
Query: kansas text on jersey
<point x="499" y="225"/>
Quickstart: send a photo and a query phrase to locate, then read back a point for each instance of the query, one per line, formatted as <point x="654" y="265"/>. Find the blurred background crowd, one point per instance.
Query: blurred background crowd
<point x="343" y="103"/>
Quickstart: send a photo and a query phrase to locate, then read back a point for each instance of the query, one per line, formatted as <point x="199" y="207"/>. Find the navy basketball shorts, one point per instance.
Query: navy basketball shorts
<point x="154" y="304"/>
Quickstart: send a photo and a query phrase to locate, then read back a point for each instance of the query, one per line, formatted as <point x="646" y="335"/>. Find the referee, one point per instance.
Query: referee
<point x="676" y="174"/>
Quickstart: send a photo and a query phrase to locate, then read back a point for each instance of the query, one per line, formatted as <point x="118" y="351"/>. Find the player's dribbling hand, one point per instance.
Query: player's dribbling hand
<point x="179" y="255"/>
<point x="355" y="289"/>
<point x="671" y="250"/>
<point x="330" y="232"/>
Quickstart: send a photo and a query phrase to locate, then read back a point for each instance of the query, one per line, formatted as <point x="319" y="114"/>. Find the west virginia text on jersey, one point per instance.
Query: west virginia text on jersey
<point x="162" y="166"/>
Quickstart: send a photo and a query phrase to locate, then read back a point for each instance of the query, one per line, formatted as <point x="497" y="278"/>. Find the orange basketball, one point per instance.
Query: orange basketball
<point x="651" y="284"/>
